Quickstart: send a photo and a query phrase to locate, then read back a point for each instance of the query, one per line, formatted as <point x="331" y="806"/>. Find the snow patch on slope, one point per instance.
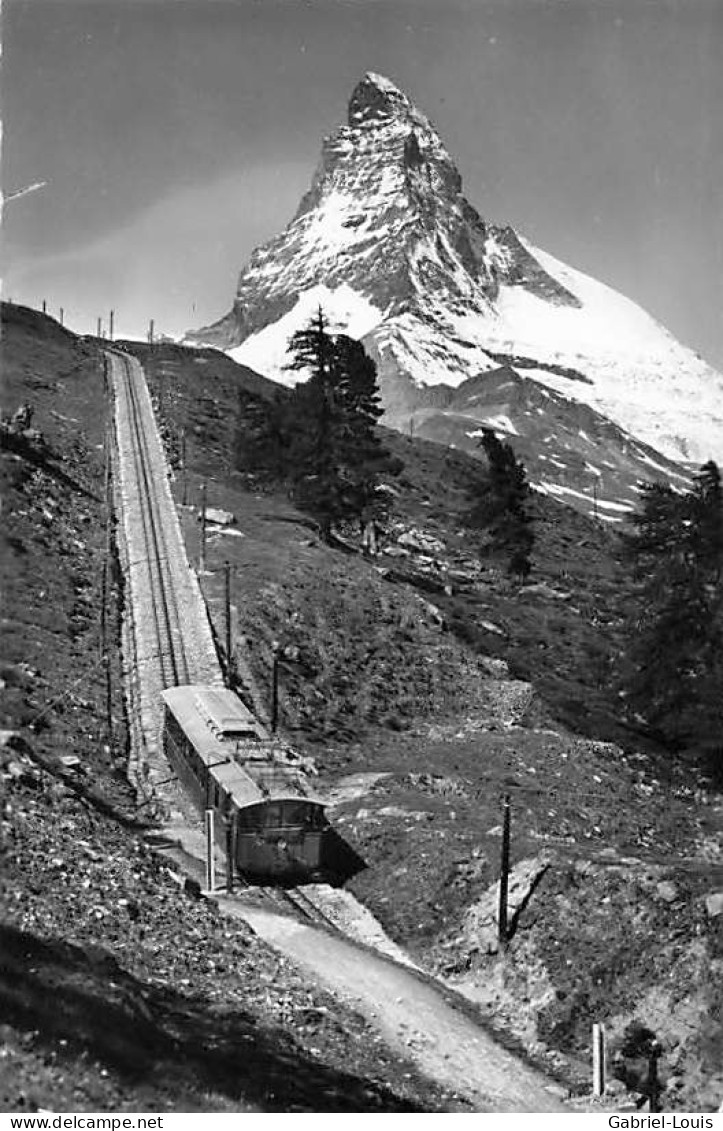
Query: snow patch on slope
<point x="268" y="350"/>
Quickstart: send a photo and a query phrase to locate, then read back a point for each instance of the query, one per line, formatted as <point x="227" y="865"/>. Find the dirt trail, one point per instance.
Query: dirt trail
<point x="412" y="1016"/>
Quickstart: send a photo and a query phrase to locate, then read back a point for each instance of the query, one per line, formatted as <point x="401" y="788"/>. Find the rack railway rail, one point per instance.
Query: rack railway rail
<point x="184" y="721"/>
<point x="172" y="655"/>
<point x="166" y="634"/>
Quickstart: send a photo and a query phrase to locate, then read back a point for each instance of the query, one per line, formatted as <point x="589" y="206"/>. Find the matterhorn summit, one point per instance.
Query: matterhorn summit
<point x="447" y="302"/>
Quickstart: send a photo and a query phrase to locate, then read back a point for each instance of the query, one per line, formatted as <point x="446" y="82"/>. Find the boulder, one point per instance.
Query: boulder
<point x="714" y="904"/>
<point x="667" y="891"/>
<point x="219" y="517"/>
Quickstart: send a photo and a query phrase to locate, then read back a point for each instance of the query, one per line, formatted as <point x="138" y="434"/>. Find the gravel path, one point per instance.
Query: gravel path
<point x="411" y="1015"/>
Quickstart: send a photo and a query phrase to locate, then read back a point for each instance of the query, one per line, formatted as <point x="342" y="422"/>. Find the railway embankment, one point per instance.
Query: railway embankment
<point x="166" y="633"/>
<point x="422" y="709"/>
<point x="118" y="991"/>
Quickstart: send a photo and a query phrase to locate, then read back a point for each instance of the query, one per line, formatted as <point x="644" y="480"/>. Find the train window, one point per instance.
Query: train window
<point x="274" y="814"/>
<point x="295" y="812"/>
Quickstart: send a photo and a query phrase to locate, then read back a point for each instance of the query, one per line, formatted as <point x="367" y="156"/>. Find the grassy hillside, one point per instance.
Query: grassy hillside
<point x="426" y="684"/>
<point x="118" y="990"/>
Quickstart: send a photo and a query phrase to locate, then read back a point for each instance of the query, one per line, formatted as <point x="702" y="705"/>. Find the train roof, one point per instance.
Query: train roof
<point x="222" y="710"/>
<point x="233" y="742"/>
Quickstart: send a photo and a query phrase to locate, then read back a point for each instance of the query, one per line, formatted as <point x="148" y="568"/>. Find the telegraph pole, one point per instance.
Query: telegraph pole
<point x="45" y="307"/>
<point x="99" y="328"/>
<point x="202" y="556"/>
<point x="62" y="315"/>
<point x="598" y="1060"/>
<point x="504" y="875"/>
<point x="110" y="324"/>
<point x="227" y="603"/>
<point x="184" y="497"/>
<point x="230" y="852"/>
<point x="275" y="690"/>
<point x="210" y="861"/>
<point x="150" y="332"/>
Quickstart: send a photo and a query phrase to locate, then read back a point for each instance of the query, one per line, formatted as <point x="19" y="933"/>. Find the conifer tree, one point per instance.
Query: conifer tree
<point x="336" y="453"/>
<point x="365" y="457"/>
<point x="674" y="655"/>
<point x="501" y="506"/>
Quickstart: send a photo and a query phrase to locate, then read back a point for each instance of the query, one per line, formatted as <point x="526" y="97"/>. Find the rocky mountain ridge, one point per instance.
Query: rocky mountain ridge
<point x="386" y="242"/>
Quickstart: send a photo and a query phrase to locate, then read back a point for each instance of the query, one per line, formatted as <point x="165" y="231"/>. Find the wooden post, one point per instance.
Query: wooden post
<point x="598" y="1060"/>
<point x="62" y="316"/>
<point x="227" y="608"/>
<point x="45" y="307"/>
<point x="275" y="691"/>
<point x="160" y="390"/>
<point x="184" y="496"/>
<point x="150" y="332"/>
<point x="102" y="648"/>
<point x="110" y="325"/>
<point x="504" y="875"/>
<point x="230" y="853"/>
<point x="653" y="1085"/>
<point x="202" y="555"/>
<point x="100" y="327"/>
<point x="210" y="861"/>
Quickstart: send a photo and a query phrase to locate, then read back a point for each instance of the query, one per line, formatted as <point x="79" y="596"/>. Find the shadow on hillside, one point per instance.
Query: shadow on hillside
<point x="340" y="862"/>
<point x="35" y="453"/>
<point x="151" y="1034"/>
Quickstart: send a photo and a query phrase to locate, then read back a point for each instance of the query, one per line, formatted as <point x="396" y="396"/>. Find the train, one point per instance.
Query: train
<point x="265" y="808"/>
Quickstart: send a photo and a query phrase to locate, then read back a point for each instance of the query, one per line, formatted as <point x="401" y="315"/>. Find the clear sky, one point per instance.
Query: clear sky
<point x="176" y="135"/>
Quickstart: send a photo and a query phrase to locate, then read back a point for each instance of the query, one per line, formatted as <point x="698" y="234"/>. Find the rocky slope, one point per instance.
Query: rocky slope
<point x="387" y="243"/>
<point x="119" y="990"/>
<point x="422" y="707"/>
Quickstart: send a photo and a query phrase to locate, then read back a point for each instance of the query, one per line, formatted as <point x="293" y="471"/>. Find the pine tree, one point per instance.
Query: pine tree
<point x="261" y="443"/>
<point x="673" y="659"/>
<point x="364" y="455"/>
<point x="501" y="507"/>
<point x="337" y="453"/>
<point x="321" y="438"/>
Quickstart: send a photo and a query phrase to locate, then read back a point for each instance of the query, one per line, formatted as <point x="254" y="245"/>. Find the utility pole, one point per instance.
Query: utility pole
<point x="102" y="648"/>
<point x="275" y="689"/>
<point x="227" y="605"/>
<point x="184" y="497"/>
<point x="654" y="1088"/>
<point x="150" y="332"/>
<point x="230" y="852"/>
<point x="62" y="315"/>
<point x="108" y="572"/>
<point x="45" y="307"/>
<point x="210" y="861"/>
<point x="202" y="555"/>
<point x="110" y="324"/>
<point x="504" y="875"/>
<point x="160" y="391"/>
<point x="598" y="1060"/>
<point x="100" y="328"/>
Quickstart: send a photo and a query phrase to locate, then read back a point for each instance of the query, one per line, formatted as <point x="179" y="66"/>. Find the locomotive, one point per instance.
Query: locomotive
<point x="260" y="797"/>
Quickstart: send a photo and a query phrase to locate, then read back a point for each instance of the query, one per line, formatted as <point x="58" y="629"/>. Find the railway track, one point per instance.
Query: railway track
<point x="170" y="652"/>
<point x="307" y="908"/>
<point x="294" y="898"/>
<point x="167" y="614"/>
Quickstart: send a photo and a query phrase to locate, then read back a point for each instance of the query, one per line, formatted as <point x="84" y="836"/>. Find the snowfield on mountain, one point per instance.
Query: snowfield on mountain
<point x="389" y="246"/>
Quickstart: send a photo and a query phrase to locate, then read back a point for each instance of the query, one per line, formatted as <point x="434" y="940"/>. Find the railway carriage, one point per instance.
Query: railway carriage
<point x="223" y="755"/>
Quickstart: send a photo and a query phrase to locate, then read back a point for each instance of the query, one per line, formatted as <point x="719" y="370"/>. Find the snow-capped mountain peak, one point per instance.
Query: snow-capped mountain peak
<point x="388" y="244"/>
